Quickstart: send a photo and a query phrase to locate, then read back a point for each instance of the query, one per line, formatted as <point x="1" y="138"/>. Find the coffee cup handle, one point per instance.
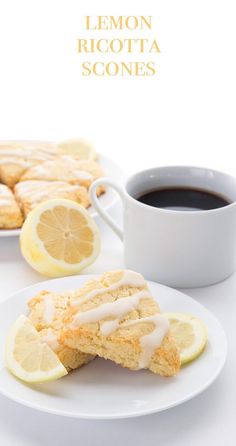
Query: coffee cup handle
<point x="97" y="206"/>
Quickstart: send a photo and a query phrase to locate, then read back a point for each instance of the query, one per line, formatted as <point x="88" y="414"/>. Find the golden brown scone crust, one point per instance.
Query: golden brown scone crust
<point x="30" y="194"/>
<point x="17" y="157"/>
<point x="122" y="346"/>
<point x="40" y="164"/>
<point x="65" y="168"/>
<point x="49" y="327"/>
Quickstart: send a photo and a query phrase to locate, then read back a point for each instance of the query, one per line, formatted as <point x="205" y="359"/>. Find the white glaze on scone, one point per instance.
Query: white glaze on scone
<point x="118" y="309"/>
<point x="129" y="278"/>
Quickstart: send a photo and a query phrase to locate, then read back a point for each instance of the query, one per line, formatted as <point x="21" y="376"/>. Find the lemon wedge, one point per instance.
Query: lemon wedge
<point x="59" y="238"/>
<point x="80" y="148"/>
<point x="27" y="357"/>
<point x="189" y="333"/>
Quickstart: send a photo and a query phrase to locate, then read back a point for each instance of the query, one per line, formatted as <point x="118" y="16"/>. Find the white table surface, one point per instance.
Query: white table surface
<point x="209" y="419"/>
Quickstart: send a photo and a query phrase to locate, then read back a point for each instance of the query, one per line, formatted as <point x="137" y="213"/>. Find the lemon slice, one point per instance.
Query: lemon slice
<point x="59" y="238"/>
<point x="189" y="333"/>
<point x="27" y="357"/>
<point x="80" y="148"/>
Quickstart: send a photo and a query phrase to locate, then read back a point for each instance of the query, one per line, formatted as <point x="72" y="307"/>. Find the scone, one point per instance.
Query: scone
<point x="65" y="168"/>
<point x="46" y="312"/>
<point x="116" y="318"/>
<point x="10" y="213"/>
<point x="17" y="157"/>
<point x="31" y="193"/>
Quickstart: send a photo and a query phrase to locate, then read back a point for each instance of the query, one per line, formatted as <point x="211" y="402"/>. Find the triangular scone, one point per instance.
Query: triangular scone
<point x="116" y="318"/>
<point x="17" y="157"/>
<point x="46" y="312"/>
<point x="10" y="213"/>
<point x="65" y="168"/>
<point x="31" y="193"/>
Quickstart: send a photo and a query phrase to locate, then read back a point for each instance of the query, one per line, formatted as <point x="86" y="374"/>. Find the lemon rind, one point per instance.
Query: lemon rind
<point x="15" y="368"/>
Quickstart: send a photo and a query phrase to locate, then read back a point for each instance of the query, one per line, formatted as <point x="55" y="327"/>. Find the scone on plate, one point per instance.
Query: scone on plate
<point x="17" y="157"/>
<point x="65" y="168"/>
<point x="10" y="213"/>
<point x="116" y="318"/>
<point x="31" y="193"/>
<point x="46" y="312"/>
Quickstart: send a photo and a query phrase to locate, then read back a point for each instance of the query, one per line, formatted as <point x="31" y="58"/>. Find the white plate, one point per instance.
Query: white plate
<point x="103" y="390"/>
<point x="108" y="200"/>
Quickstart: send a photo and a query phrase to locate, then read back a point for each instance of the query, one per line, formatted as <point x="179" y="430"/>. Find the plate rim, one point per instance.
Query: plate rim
<point x="123" y="415"/>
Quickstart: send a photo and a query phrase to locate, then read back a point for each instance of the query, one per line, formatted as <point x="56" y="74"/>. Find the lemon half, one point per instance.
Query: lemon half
<point x="27" y="357"/>
<point x="79" y="148"/>
<point x="189" y="333"/>
<point x="59" y="238"/>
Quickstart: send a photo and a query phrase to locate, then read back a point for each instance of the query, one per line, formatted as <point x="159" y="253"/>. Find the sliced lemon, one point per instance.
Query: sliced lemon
<point x="27" y="357"/>
<point x="80" y="148"/>
<point x="59" y="238"/>
<point x="190" y="335"/>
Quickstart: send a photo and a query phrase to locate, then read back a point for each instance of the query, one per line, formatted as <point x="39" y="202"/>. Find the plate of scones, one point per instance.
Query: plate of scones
<point x="33" y="171"/>
<point x="114" y="340"/>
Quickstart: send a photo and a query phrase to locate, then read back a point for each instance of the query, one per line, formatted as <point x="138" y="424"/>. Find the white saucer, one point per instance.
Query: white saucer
<point x="108" y="200"/>
<point x="103" y="390"/>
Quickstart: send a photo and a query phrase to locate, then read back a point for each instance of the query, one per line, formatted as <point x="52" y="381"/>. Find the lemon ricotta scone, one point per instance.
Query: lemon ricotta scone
<point x="10" y="213"/>
<point x="46" y="312"/>
<point x="116" y="318"/>
<point x="17" y="157"/>
<point x="31" y="193"/>
<point x="65" y="168"/>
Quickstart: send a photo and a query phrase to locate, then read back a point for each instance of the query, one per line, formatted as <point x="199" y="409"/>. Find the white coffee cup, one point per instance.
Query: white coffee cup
<point x="178" y="248"/>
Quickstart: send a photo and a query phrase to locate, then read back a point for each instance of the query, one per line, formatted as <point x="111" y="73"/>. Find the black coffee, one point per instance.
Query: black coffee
<point x="183" y="198"/>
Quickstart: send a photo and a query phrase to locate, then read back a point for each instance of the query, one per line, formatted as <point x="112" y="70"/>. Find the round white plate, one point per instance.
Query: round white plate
<point x="103" y="390"/>
<point x="108" y="200"/>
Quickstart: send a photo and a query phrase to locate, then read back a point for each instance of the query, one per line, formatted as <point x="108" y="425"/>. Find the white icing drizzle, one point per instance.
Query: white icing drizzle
<point x="7" y="201"/>
<point x="108" y="327"/>
<point x="4" y="190"/>
<point x="151" y="341"/>
<point x="14" y="160"/>
<point x="119" y="308"/>
<point x="14" y="152"/>
<point x="42" y="170"/>
<point x="81" y="174"/>
<point x="36" y="190"/>
<point x="63" y="167"/>
<point x="37" y="153"/>
<point x="6" y="196"/>
<point x="129" y="278"/>
<point x="51" y="339"/>
<point x="49" y="308"/>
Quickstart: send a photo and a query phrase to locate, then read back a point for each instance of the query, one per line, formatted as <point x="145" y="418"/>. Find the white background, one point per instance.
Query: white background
<point x="185" y="115"/>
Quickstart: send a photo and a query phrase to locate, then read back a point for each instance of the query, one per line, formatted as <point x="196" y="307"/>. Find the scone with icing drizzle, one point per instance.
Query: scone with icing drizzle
<point x="10" y="213"/>
<point x="116" y="318"/>
<point x="46" y="312"/>
<point x="31" y="193"/>
<point x="39" y="171"/>
<point x="17" y="157"/>
<point x="65" y="168"/>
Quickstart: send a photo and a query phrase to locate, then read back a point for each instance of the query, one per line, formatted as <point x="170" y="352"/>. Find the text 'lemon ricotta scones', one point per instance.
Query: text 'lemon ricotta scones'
<point x="116" y="318"/>
<point x="10" y="213"/>
<point x="17" y="157"/>
<point x="46" y="312"/>
<point x="31" y="193"/>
